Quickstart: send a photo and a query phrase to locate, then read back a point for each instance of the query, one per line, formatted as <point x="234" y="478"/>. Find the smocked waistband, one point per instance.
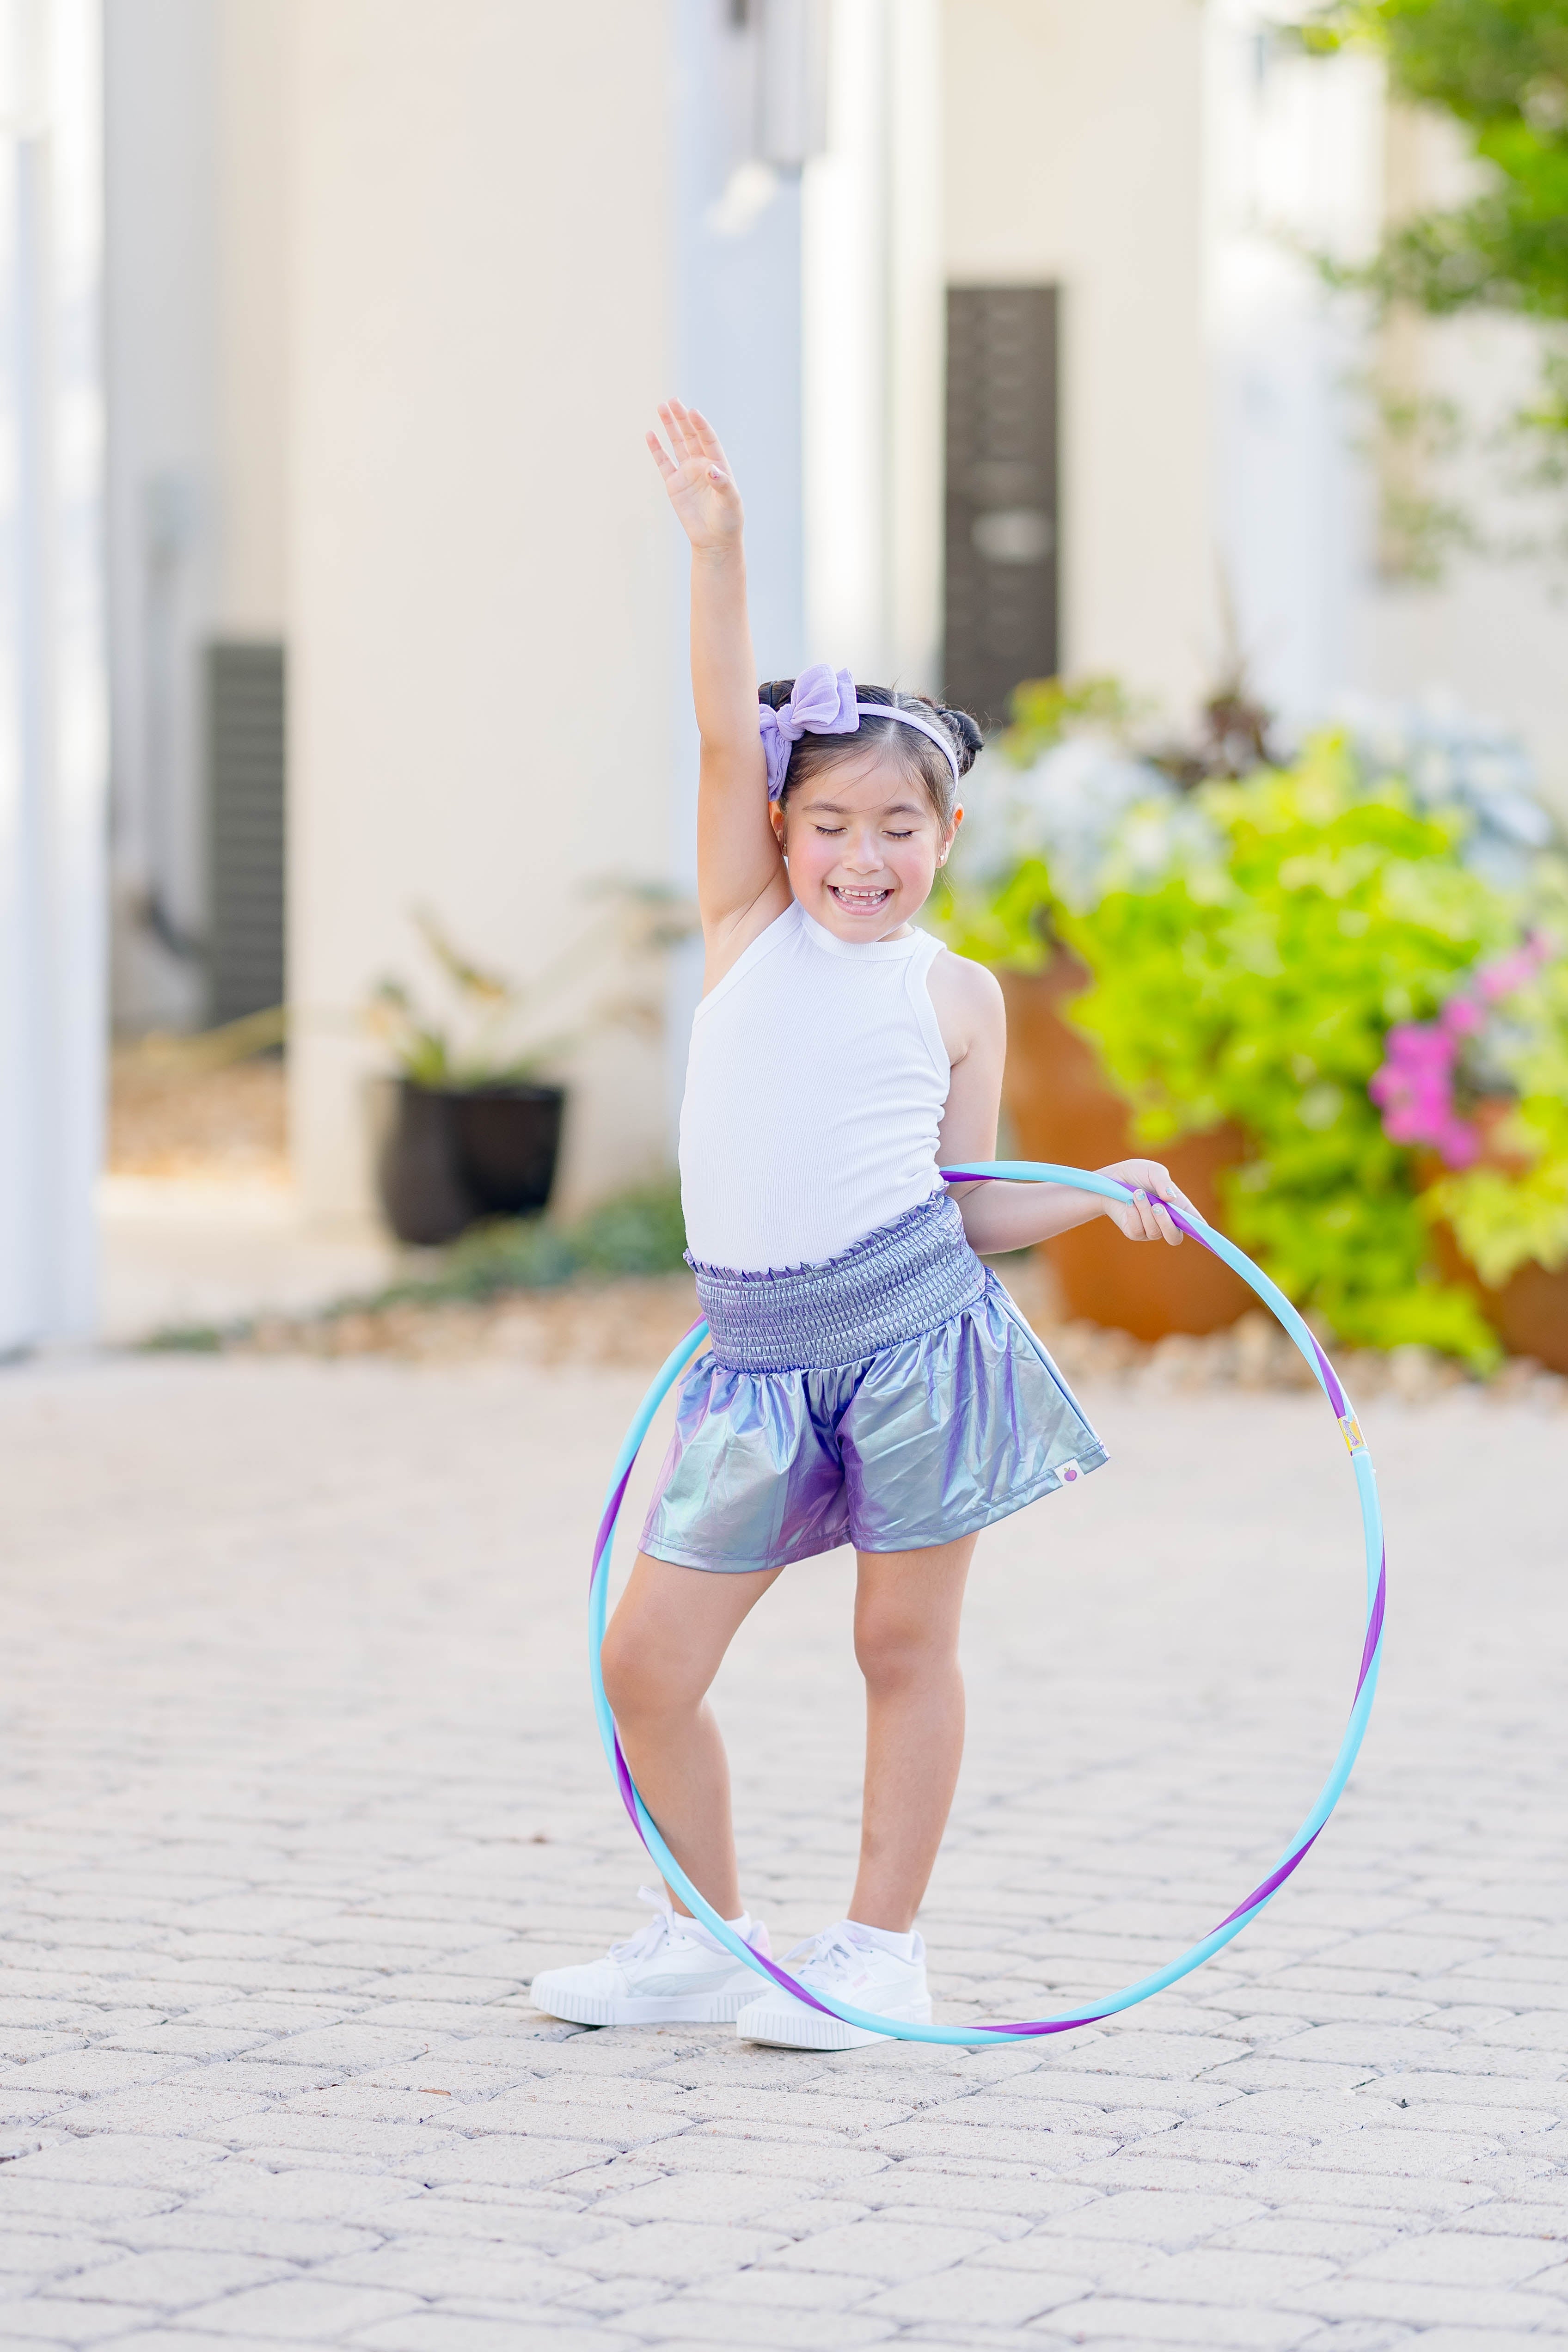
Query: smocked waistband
<point x="904" y="1279"/>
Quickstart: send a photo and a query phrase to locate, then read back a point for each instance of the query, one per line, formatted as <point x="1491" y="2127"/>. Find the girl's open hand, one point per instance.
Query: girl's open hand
<point x="701" y="488"/>
<point x="1143" y="1219"/>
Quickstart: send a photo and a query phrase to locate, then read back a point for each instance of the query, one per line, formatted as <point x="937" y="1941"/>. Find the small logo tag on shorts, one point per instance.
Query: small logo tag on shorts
<point x="1069" y="1472"/>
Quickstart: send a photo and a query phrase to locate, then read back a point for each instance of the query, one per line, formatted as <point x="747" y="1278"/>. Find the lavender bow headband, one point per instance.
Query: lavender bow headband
<point x="822" y="702"/>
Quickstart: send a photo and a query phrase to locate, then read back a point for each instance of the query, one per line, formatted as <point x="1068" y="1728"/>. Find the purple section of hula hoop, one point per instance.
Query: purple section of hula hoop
<point x="1373" y="1625"/>
<point x="608" y="1524"/>
<point x="1337" y="1396"/>
<point x="782" y="1977"/>
<point x="627" y="1786"/>
<point x="1275" y="1878"/>
<point x="1046" y="2025"/>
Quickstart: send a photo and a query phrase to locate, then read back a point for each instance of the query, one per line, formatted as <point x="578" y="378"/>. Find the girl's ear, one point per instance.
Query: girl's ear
<point x="776" y="816"/>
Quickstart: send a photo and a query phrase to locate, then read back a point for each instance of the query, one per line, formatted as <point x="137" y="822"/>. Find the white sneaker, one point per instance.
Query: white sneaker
<point x="846" y="1965"/>
<point x="671" y="1972"/>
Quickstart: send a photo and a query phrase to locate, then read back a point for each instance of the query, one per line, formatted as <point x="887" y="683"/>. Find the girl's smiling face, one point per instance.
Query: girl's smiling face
<point x="863" y="844"/>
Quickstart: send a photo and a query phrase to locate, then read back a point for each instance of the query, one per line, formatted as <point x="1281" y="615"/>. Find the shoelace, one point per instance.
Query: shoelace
<point x="831" y="1956"/>
<point x="653" y="1932"/>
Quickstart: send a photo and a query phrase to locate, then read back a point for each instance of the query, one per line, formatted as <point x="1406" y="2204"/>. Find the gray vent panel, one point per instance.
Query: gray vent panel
<point x="246" y="738"/>
<point x="1002" y="520"/>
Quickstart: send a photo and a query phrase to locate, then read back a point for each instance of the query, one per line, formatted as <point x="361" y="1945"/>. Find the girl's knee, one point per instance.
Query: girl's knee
<point x="630" y="1685"/>
<point x="640" y="1680"/>
<point x="895" y="1650"/>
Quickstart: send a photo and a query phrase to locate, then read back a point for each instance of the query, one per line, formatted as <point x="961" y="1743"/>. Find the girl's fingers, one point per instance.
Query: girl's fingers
<point x="657" y="446"/>
<point x="1168" y="1230"/>
<point x="712" y="446"/>
<point x="673" y="418"/>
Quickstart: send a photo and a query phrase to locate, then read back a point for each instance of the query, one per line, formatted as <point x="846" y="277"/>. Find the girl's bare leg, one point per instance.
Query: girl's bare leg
<point x="664" y="1646"/>
<point x="907" y="1607"/>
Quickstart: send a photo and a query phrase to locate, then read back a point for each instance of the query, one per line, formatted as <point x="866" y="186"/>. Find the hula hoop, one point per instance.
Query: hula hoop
<point x="1194" y="1226"/>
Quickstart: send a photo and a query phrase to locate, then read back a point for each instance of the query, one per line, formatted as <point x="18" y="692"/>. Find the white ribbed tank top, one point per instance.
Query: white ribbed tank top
<point x="814" y="1091"/>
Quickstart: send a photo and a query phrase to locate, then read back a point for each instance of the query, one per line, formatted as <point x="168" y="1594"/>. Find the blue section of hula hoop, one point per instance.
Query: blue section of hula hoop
<point x="1024" y="1171"/>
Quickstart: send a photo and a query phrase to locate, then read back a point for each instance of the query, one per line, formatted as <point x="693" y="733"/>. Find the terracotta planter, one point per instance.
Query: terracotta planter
<point x="1062" y="1110"/>
<point x="1528" y="1312"/>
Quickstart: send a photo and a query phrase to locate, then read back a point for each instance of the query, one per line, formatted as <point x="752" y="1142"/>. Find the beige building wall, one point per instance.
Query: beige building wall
<point x="1074" y="155"/>
<point x="479" y="566"/>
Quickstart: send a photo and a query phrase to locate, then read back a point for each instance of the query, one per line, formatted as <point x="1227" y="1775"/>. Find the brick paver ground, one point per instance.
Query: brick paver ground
<point x="302" y="1788"/>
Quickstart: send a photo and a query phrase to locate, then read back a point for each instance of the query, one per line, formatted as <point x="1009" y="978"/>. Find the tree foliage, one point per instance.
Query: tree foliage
<point x="1501" y="69"/>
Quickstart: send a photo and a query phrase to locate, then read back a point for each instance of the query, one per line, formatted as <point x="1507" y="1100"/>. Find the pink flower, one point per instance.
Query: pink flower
<point x="1516" y="970"/>
<point x="1414" y="1088"/>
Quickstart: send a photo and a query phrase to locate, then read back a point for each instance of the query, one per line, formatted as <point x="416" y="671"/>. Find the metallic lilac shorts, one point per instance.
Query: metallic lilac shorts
<point x="893" y="1398"/>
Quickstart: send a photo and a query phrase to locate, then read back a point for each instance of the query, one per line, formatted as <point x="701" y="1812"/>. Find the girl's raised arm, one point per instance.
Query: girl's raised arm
<point x="739" y="871"/>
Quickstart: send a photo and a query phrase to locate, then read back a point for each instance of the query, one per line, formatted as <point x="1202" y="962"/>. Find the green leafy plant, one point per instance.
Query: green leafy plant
<point x="1252" y="976"/>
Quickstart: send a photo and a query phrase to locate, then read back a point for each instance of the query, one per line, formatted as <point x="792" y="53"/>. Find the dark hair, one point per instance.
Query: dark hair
<point x="919" y="758"/>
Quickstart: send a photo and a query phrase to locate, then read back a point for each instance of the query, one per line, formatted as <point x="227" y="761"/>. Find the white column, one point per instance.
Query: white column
<point x="873" y="357"/>
<point x="52" y="750"/>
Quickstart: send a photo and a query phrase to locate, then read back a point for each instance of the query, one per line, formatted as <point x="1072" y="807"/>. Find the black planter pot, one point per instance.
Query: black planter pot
<point x="452" y="1158"/>
<point x="507" y="1140"/>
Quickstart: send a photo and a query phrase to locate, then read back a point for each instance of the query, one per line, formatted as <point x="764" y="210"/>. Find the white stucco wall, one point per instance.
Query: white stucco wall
<point x="253" y="54"/>
<point x="1074" y="155"/>
<point x="481" y="583"/>
<point x="1491" y="635"/>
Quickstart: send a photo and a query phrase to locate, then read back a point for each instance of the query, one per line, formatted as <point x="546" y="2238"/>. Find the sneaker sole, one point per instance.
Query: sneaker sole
<point x="682" y="2009"/>
<point x="813" y="2029"/>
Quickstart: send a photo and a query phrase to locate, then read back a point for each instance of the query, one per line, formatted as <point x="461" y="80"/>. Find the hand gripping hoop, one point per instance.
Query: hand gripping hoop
<point x="1026" y="1172"/>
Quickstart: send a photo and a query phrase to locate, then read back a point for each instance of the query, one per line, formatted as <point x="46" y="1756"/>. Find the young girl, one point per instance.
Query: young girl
<point x="866" y="1381"/>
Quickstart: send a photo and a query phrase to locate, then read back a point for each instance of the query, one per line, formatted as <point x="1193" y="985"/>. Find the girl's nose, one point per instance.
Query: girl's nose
<point x="864" y="854"/>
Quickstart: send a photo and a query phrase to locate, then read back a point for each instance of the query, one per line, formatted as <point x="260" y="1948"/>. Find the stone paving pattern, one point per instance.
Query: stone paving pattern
<point x="303" y="1786"/>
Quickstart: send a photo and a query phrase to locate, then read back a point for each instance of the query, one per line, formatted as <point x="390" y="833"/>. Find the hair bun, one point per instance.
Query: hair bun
<point x="970" y="739"/>
<point x="775" y="692"/>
